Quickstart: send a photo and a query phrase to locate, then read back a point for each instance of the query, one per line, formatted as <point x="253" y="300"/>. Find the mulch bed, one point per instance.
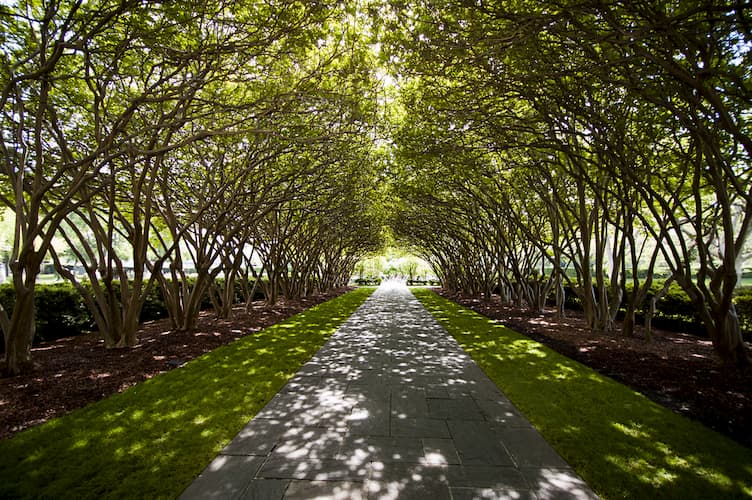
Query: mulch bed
<point x="676" y="370"/>
<point x="73" y="372"/>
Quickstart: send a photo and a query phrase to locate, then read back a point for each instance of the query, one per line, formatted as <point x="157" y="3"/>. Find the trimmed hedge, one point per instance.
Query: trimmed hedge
<point x="368" y="281"/>
<point x="674" y="311"/>
<point x="743" y="301"/>
<point x="420" y="282"/>
<point x="61" y="311"/>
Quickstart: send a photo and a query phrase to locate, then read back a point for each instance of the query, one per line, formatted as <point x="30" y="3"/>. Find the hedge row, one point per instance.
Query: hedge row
<point x="420" y="282"/>
<point x="368" y="281"/>
<point x="375" y="281"/>
<point x="61" y="311"/>
<point x="674" y="310"/>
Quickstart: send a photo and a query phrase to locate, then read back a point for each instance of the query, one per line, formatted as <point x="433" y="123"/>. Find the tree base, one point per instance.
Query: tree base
<point x="21" y="368"/>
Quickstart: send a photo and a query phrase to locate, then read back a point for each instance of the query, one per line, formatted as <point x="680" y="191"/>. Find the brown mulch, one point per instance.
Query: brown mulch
<point x="676" y="370"/>
<point x="73" y="372"/>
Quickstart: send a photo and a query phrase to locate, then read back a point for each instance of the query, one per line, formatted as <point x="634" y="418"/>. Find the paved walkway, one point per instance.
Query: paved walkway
<point x="390" y="407"/>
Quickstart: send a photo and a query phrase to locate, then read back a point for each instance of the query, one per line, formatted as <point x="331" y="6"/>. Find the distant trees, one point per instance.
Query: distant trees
<point x="583" y="138"/>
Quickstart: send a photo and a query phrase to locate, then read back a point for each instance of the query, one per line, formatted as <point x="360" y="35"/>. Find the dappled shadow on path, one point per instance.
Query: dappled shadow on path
<point x="72" y="372"/>
<point x="390" y="407"/>
<point x="148" y="438"/>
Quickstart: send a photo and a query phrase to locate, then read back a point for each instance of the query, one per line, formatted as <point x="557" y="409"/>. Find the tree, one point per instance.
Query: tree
<point x="640" y="106"/>
<point x="691" y="61"/>
<point x="59" y="133"/>
<point x="94" y="92"/>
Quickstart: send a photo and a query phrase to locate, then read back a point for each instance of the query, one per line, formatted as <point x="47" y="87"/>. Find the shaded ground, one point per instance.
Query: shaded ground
<point x="75" y="371"/>
<point x="677" y="370"/>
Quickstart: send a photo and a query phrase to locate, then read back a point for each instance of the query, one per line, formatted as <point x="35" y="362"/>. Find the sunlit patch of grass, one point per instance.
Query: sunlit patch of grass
<point x="152" y="440"/>
<point x="620" y="442"/>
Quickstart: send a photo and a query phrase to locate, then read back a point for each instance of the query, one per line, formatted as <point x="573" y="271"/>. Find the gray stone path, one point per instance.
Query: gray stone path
<point x="391" y="407"/>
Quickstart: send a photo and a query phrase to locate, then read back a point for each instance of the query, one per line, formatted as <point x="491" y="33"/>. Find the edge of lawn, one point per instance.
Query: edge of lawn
<point x="153" y="439"/>
<point x="620" y="442"/>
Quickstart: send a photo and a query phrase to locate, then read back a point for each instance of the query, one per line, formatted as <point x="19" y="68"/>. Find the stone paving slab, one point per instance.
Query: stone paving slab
<point x="390" y="408"/>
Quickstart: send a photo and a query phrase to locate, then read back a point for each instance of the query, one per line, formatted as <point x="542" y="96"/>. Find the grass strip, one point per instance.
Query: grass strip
<point x="152" y="440"/>
<point x="621" y="443"/>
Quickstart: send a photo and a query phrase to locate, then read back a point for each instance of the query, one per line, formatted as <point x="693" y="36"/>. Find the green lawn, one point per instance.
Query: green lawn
<point x="620" y="442"/>
<point x="152" y="440"/>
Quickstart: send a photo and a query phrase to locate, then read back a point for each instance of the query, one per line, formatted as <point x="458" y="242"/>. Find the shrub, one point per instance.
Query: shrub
<point x="153" y="308"/>
<point x="675" y="311"/>
<point x="674" y="303"/>
<point x="61" y="311"/>
<point x="154" y="305"/>
<point x="237" y="298"/>
<point x="368" y="281"/>
<point x="743" y="302"/>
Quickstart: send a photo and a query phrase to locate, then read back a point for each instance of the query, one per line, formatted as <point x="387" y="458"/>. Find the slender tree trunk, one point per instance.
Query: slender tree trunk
<point x="22" y="327"/>
<point x="561" y="298"/>
<point x="19" y="338"/>
<point x="649" y="319"/>
<point x="111" y="310"/>
<point x="726" y="335"/>
<point x="589" y="303"/>
<point x="228" y="296"/>
<point x="629" y="320"/>
<point x="128" y="334"/>
<point x="256" y="283"/>
<point x="249" y="296"/>
<point x="273" y="293"/>
<point x="654" y="306"/>
<point x="192" y="301"/>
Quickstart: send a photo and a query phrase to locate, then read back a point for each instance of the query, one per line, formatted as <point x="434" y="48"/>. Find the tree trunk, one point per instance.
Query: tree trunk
<point x="629" y="320"/>
<point x="22" y="327"/>
<point x="250" y="294"/>
<point x="112" y="329"/>
<point x="192" y="302"/>
<point x="726" y="335"/>
<point x="589" y="304"/>
<point x="128" y="335"/>
<point x="649" y="319"/>
<point x="654" y="307"/>
<point x="19" y="337"/>
<point x="273" y="290"/>
<point x="256" y="283"/>
<point x="561" y="298"/>
<point x="228" y="297"/>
